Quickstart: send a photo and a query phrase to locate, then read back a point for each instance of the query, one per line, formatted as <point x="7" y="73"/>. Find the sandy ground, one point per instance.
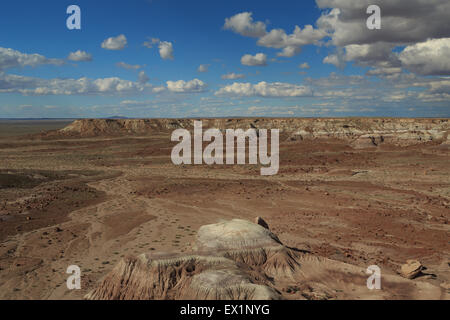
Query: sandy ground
<point x="89" y="202"/>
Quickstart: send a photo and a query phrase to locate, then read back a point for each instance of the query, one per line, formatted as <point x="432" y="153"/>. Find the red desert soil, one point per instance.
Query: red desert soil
<point x="354" y="191"/>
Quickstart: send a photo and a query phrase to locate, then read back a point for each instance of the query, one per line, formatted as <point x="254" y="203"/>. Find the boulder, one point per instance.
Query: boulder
<point x="411" y="269"/>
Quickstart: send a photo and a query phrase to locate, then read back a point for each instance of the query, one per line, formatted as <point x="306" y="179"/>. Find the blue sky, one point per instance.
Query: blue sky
<point x="253" y="65"/>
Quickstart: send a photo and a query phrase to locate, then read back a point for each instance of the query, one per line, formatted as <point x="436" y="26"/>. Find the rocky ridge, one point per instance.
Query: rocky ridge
<point x="359" y="132"/>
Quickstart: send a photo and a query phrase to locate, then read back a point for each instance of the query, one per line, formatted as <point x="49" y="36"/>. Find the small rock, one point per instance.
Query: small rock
<point x="261" y="222"/>
<point x="411" y="269"/>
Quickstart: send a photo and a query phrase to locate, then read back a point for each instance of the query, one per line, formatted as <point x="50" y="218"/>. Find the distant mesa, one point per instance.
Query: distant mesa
<point x="360" y="133"/>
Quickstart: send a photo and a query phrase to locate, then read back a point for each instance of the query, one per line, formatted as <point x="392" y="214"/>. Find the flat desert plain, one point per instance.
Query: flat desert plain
<point x="351" y="192"/>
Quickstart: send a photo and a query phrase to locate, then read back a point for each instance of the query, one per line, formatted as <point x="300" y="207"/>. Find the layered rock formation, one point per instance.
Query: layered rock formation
<point x="229" y="260"/>
<point x="360" y="132"/>
<point x="240" y="260"/>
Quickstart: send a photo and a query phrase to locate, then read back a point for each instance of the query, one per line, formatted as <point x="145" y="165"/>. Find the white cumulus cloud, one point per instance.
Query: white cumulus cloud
<point x="182" y="86"/>
<point x="260" y="59"/>
<point x="10" y="83"/>
<point x="115" y="43"/>
<point x="290" y="44"/>
<point x="10" y="58"/>
<point x="243" y="24"/>
<point x="335" y="60"/>
<point x="419" y="25"/>
<point x="165" y="47"/>
<point x="277" y="38"/>
<point x="166" y="50"/>
<point x="431" y="57"/>
<point x="265" y="89"/>
<point x="79" y="56"/>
